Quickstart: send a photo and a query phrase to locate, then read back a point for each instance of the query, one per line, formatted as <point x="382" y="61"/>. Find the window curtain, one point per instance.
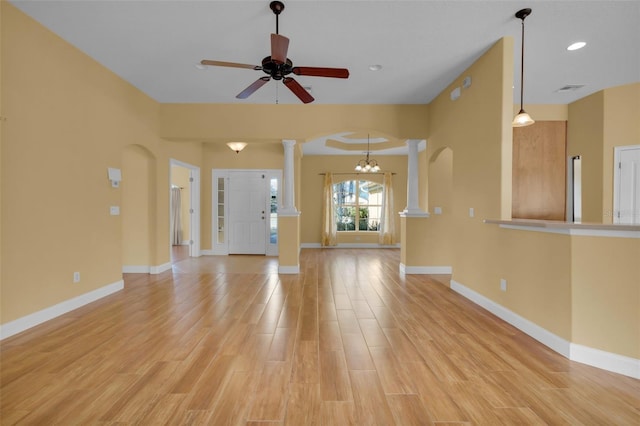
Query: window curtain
<point x="176" y="220"/>
<point x="387" y="224"/>
<point x="329" y="230"/>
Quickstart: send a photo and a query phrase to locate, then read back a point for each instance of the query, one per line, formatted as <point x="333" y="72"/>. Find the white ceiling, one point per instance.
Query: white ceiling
<point x="422" y="45"/>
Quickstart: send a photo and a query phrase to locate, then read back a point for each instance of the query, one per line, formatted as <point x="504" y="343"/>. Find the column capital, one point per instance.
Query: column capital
<point x="288" y="142"/>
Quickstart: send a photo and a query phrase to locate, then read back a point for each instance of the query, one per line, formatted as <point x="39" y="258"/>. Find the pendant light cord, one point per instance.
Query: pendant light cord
<point x="522" y="70"/>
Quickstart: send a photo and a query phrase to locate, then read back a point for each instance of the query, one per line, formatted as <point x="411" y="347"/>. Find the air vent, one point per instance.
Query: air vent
<point x="570" y="88"/>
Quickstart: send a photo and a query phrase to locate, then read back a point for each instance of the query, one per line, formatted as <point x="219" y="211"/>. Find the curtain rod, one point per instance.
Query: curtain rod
<point x="356" y="173"/>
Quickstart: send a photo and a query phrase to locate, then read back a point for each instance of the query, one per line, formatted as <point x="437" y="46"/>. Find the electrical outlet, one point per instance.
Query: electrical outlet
<point x="76" y="277"/>
<point x="437" y="210"/>
<point x="503" y="284"/>
<point x="472" y="212"/>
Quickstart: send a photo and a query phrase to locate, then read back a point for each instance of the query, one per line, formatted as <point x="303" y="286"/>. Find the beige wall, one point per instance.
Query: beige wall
<point x="2" y="128"/>
<point x="597" y="124"/>
<point x="479" y="177"/>
<point x="606" y="294"/>
<point x="260" y="123"/>
<point x="585" y="135"/>
<point x="63" y="129"/>
<point x="137" y="194"/>
<point x="312" y="184"/>
<point x="217" y="155"/>
<point x="555" y="281"/>
<point x="621" y="128"/>
<point x="544" y="112"/>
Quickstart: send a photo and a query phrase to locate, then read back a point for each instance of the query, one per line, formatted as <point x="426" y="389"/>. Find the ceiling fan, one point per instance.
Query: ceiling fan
<point x="278" y="66"/>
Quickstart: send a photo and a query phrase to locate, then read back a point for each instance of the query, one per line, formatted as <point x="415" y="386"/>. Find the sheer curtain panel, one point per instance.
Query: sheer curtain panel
<point x="329" y="231"/>
<point x="176" y="220"/>
<point x="387" y="223"/>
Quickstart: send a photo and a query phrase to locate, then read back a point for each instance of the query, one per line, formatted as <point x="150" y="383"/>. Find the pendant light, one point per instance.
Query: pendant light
<point x="367" y="164"/>
<point x="522" y="119"/>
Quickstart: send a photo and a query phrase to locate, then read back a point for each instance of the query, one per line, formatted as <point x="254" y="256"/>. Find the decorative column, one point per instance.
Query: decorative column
<point x="288" y="197"/>
<point x="288" y="218"/>
<point x="412" y="180"/>
<point x="414" y="224"/>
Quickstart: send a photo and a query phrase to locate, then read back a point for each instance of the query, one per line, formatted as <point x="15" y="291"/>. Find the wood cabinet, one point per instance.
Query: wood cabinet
<point x="539" y="171"/>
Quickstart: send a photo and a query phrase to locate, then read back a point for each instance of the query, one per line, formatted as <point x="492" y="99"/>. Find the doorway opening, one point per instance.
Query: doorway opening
<point x="626" y="185"/>
<point x="184" y="228"/>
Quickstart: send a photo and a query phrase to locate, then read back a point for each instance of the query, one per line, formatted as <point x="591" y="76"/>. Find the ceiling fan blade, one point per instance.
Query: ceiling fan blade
<point x="322" y="72"/>
<point x="279" y="47"/>
<point x="230" y="64"/>
<point x="253" y="87"/>
<point x="298" y="90"/>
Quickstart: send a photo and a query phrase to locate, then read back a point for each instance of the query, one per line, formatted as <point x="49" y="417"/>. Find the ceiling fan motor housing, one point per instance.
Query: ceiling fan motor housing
<point x="277" y="71"/>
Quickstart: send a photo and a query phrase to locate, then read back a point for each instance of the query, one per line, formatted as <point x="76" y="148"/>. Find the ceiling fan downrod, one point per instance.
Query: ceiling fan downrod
<point x="277" y="7"/>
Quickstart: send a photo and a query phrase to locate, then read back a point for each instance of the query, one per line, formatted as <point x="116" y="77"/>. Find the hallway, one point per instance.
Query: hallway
<point x="226" y="340"/>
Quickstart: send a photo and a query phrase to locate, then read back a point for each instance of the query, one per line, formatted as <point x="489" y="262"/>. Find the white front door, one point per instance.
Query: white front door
<point x="247" y="196"/>
<point x="627" y="185"/>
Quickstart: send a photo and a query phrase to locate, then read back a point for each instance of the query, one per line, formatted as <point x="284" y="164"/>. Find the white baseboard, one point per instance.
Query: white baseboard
<point x="350" y="245"/>
<point x="207" y="252"/>
<point x="594" y="357"/>
<point x="425" y="270"/>
<point x="135" y="269"/>
<point x="542" y="335"/>
<point x="606" y="360"/>
<point x="289" y="269"/>
<point x="144" y="269"/>
<point x="31" y="320"/>
<point x="160" y="268"/>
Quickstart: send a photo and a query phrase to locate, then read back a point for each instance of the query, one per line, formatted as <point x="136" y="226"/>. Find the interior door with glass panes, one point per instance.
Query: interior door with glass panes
<point x="247" y="196"/>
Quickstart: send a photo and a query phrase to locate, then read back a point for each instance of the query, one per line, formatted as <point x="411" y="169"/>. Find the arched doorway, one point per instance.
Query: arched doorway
<point x="138" y="210"/>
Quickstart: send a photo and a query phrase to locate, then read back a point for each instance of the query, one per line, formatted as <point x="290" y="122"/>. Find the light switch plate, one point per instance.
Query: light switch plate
<point x="114" y="210"/>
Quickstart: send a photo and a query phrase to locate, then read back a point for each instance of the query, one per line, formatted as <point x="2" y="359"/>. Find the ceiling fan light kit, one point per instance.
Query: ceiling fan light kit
<point x="522" y="119"/>
<point x="278" y="67"/>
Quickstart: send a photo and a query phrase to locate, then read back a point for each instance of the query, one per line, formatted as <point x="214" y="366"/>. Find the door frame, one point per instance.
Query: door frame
<point x="194" y="197"/>
<point x="222" y="248"/>
<point x="616" y="178"/>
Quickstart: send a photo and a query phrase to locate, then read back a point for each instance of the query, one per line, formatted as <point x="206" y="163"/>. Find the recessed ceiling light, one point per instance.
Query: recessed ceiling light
<point x="375" y="67"/>
<point x="577" y="45"/>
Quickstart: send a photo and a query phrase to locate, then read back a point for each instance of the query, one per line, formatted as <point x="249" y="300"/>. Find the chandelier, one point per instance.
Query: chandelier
<point x="367" y="164"/>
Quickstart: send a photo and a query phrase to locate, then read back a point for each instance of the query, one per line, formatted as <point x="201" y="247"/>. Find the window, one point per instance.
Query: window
<point x="358" y="205"/>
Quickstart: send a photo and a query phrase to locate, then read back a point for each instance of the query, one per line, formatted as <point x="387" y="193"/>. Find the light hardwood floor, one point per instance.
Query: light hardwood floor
<point x="225" y="340"/>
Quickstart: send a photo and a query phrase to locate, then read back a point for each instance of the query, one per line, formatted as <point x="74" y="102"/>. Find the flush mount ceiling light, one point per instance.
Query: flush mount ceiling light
<point x="375" y="67"/>
<point x="522" y="119"/>
<point x="367" y="164"/>
<point x="577" y="45"/>
<point x="236" y="146"/>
